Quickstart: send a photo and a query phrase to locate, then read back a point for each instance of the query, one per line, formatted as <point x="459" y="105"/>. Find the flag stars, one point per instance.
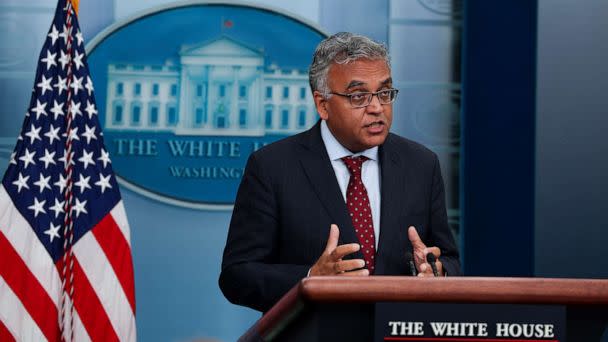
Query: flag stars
<point x="64" y="59"/>
<point x="43" y="183"/>
<point x="86" y="159"/>
<point x="57" y="109"/>
<point x="57" y="207"/>
<point x="52" y="134"/>
<point x="28" y="158"/>
<point x="46" y="111"/>
<point x="73" y="134"/>
<point x="49" y="59"/>
<point x="79" y="207"/>
<point x="76" y="84"/>
<point x="89" y="133"/>
<point x="79" y="38"/>
<point x="21" y="182"/>
<point x="61" y="85"/>
<point x="75" y="108"/>
<point x="40" y="109"/>
<point x="61" y="184"/>
<point x="65" y="161"/>
<point x="33" y="134"/>
<point x="54" y="35"/>
<point x="90" y="109"/>
<point x="89" y="85"/>
<point x="48" y="158"/>
<point x="65" y="34"/>
<point x="52" y="232"/>
<point x="83" y="183"/>
<point x="103" y="183"/>
<point x="78" y="60"/>
<point x="37" y="207"/>
<point x="105" y="158"/>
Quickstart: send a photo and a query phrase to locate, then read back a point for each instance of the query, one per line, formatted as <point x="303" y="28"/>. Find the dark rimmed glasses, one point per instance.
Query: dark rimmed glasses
<point x="363" y="99"/>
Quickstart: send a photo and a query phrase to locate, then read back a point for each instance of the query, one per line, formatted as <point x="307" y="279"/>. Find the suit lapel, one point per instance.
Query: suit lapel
<point x="320" y="173"/>
<point x="393" y="176"/>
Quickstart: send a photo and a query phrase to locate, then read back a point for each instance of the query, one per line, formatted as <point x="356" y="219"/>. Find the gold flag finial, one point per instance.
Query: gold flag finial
<point x="75" y="6"/>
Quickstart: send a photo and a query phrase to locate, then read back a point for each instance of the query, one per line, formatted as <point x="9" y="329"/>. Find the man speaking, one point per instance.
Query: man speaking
<point x="344" y="198"/>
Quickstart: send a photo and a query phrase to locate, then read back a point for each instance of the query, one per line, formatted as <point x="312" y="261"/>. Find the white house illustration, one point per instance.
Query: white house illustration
<point x="219" y="88"/>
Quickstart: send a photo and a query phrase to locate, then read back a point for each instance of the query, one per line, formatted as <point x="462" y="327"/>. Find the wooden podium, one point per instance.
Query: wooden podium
<point x="343" y="308"/>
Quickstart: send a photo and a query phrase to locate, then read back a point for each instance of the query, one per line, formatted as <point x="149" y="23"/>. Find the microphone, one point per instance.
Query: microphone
<point x="410" y="260"/>
<point x="430" y="258"/>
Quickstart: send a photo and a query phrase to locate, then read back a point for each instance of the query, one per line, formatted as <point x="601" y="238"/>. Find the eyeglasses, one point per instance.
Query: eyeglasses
<point x="363" y="99"/>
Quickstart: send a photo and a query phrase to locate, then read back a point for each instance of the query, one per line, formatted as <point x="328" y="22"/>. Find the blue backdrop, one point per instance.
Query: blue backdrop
<point x="534" y="114"/>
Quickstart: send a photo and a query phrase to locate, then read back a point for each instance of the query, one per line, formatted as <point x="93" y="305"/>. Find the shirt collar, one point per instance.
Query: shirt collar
<point x="336" y="151"/>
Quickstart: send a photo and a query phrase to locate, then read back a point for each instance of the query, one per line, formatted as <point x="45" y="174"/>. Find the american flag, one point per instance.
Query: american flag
<point x="66" y="271"/>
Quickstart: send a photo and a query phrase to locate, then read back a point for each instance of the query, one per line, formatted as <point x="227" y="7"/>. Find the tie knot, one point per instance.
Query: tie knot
<point x="353" y="164"/>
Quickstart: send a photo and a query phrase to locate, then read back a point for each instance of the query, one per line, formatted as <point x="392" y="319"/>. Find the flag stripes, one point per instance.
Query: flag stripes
<point x="33" y="298"/>
<point x="105" y="284"/>
<point x="99" y="304"/>
<point x="116" y="248"/>
<point x="5" y="335"/>
<point x="18" y="321"/>
<point x="90" y="309"/>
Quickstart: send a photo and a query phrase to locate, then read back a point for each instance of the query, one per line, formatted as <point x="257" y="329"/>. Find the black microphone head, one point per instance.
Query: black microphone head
<point x="408" y="255"/>
<point x="430" y="258"/>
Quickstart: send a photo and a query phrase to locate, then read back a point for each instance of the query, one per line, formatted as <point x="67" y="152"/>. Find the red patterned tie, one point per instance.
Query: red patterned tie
<point x="360" y="211"/>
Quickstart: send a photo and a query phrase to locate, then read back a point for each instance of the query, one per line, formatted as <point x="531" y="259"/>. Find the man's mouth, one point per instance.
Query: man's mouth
<point x="375" y="127"/>
<point x="375" y="124"/>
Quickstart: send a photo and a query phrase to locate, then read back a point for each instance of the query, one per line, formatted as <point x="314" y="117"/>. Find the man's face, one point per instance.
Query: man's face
<point x="357" y="129"/>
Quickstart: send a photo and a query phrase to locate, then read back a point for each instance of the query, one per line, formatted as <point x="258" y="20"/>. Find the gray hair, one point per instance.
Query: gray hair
<point x="342" y="48"/>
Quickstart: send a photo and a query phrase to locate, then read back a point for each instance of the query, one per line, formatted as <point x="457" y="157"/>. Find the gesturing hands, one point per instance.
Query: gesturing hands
<point x="331" y="263"/>
<point x="420" y="252"/>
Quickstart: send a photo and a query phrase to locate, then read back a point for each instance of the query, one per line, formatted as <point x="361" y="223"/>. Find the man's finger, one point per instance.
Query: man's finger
<point x="348" y="265"/>
<point x="425" y="270"/>
<point x="419" y="257"/>
<point x="439" y="267"/>
<point x="412" y="234"/>
<point x="435" y="250"/>
<point x="362" y="272"/>
<point x="332" y="241"/>
<point x="344" y="250"/>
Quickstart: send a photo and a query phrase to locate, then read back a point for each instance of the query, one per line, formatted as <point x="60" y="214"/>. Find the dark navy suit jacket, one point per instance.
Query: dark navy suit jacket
<point x="289" y="197"/>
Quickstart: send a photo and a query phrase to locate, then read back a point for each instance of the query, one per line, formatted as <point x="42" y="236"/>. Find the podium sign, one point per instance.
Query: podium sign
<point x="403" y="321"/>
<point x="456" y="309"/>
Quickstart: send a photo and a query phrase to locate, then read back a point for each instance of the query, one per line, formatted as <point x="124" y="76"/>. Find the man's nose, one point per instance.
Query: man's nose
<point x="374" y="107"/>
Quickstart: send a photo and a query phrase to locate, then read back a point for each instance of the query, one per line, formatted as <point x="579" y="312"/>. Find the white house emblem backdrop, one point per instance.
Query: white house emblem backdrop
<point x="186" y="94"/>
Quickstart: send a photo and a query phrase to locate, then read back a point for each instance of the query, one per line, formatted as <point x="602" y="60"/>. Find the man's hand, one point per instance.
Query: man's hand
<point x="331" y="263"/>
<point x="420" y="252"/>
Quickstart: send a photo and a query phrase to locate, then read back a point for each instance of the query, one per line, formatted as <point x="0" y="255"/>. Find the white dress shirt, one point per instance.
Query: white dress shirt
<point x="370" y="172"/>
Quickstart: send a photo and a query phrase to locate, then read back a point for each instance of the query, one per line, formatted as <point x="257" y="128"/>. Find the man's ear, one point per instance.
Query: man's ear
<point x="321" y="103"/>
